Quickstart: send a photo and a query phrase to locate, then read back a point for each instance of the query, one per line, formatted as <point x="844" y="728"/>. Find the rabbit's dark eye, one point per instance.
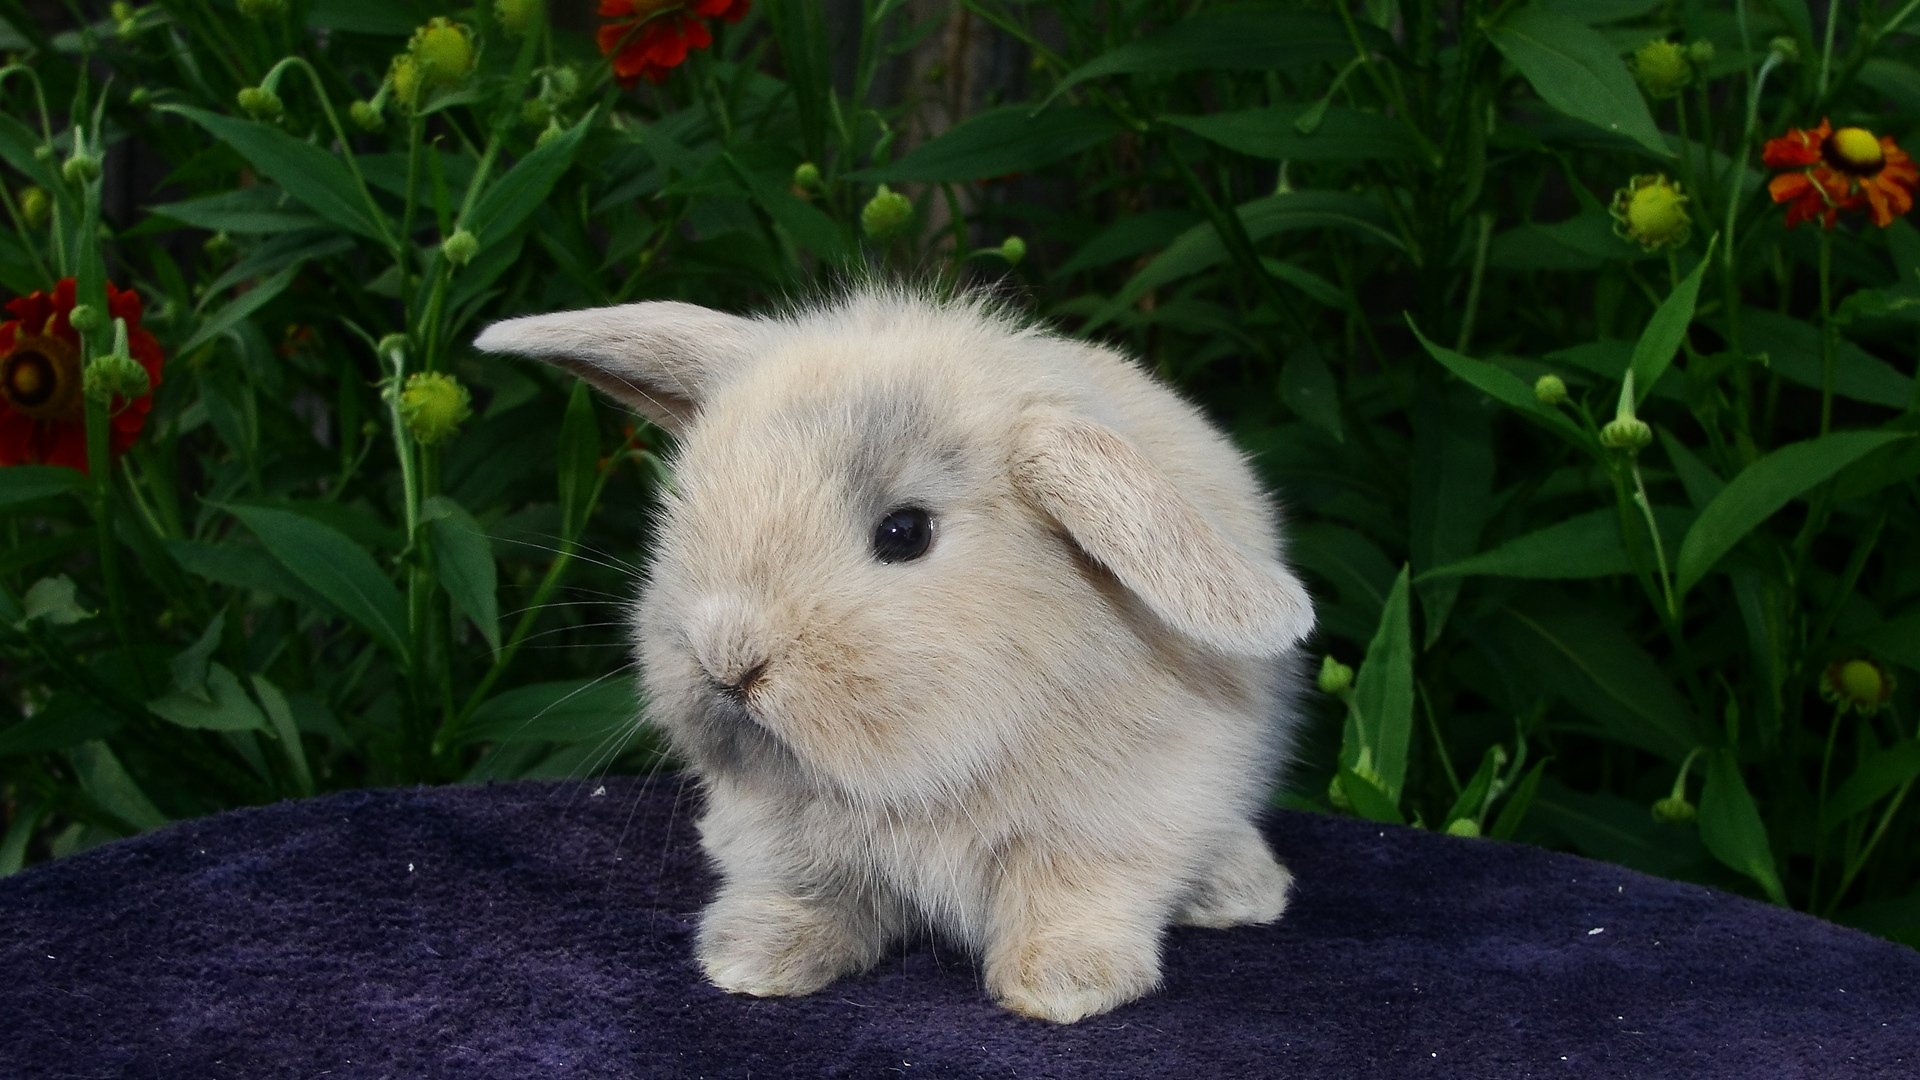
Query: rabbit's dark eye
<point x="902" y="535"/>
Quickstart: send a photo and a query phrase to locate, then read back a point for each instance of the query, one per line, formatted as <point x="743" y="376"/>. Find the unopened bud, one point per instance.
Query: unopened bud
<point x="35" y="207"/>
<point x="461" y="247"/>
<point x="434" y="405"/>
<point x="1013" y="249"/>
<point x="260" y="103"/>
<point x="1335" y="677"/>
<point x="1550" y="390"/>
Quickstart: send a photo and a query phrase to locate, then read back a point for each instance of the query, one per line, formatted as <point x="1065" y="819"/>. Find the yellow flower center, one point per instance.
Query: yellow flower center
<point x="40" y="377"/>
<point x="1860" y="682"/>
<point x="1652" y="212"/>
<point x="1855" y="150"/>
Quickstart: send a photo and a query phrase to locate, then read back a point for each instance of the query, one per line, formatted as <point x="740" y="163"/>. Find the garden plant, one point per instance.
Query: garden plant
<point x="1579" y="338"/>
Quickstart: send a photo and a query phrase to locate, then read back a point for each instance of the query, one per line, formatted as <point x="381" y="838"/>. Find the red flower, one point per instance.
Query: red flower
<point x="1849" y="169"/>
<point x="649" y="38"/>
<point x="42" y="408"/>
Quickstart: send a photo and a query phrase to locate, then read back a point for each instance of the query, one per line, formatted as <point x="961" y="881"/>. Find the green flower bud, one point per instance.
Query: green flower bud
<point x="1661" y="68"/>
<point x="553" y="131"/>
<point x="517" y="17"/>
<point x="443" y="49"/>
<point x="366" y="116"/>
<point x="116" y="374"/>
<point x="43" y="154"/>
<point x="1628" y="433"/>
<point x="404" y="76"/>
<point x="126" y="21"/>
<point x="218" y="246"/>
<point x="35" y="207"/>
<point x="1335" y="677"/>
<point x="262" y="9"/>
<point x="1013" y="249"/>
<point x="461" y="247"/>
<point x="434" y="405"/>
<point x="1700" y="53"/>
<point x="391" y="345"/>
<point x="806" y="176"/>
<point x="1674" y="810"/>
<point x="261" y="103"/>
<point x="81" y="168"/>
<point x="1858" y="685"/>
<point x="1784" y="47"/>
<point x="886" y="214"/>
<point x="563" y="83"/>
<point x="1652" y="212"/>
<point x="1463" y="827"/>
<point x="1550" y="390"/>
<point x="87" y="319"/>
<point x="140" y="98"/>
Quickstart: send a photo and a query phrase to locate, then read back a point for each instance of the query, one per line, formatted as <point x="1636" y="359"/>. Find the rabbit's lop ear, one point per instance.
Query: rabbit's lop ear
<point x="1124" y="512"/>
<point x="657" y="358"/>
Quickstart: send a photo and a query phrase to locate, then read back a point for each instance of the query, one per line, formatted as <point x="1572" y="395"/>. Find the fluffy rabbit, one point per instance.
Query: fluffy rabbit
<point x="960" y="624"/>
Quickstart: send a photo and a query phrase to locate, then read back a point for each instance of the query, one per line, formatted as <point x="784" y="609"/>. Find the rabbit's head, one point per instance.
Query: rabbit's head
<point x="909" y="541"/>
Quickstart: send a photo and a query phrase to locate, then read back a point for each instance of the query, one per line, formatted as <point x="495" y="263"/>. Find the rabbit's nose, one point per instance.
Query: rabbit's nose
<point x="729" y="641"/>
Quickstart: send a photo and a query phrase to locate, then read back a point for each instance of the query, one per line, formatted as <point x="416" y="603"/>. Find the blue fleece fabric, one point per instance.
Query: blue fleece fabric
<point x="545" y="930"/>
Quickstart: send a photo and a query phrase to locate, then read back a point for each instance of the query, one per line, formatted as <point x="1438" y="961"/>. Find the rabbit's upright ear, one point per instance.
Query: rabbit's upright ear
<point x="658" y="358"/>
<point x="1124" y="512"/>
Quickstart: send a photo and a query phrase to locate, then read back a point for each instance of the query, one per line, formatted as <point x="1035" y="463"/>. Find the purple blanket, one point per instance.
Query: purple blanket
<point x="535" y="930"/>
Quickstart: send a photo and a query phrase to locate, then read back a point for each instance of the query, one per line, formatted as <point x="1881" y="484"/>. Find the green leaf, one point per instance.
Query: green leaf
<point x="1452" y="473"/>
<point x="1383" y="690"/>
<point x="1667" y="330"/>
<point x="1503" y="386"/>
<point x="30" y="483"/>
<point x="54" y="600"/>
<point x="1368" y="801"/>
<point x="260" y="209"/>
<point x="1270" y="132"/>
<point x="222" y="706"/>
<point x="328" y="562"/>
<point x="1200" y="247"/>
<point x="463" y="559"/>
<point x="1896" y="639"/>
<point x="1576" y="71"/>
<point x="1730" y="825"/>
<point x="1514" y="810"/>
<point x="1792" y="349"/>
<point x="1876" y="778"/>
<point x="1761" y="489"/>
<point x="997" y="142"/>
<point x="13" y="847"/>
<point x="1473" y="797"/>
<point x="314" y="176"/>
<point x="1131" y="235"/>
<point x="243" y="566"/>
<point x="810" y="228"/>
<point x="280" y="717"/>
<point x="240" y="307"/>
<point x="17" y="143"/>
<point x="525" y="187"/>
<point x="1309" y="390"/>
<point x="189" y="668"/>
<point x="108" y="784"/>
<point x="1586" y="546"/>
<point x="1589" y="660"/>
<point x="67" y="719"/>
<point x="1226" y="41"/>
<point x="571" y="711"/>
<point x="579" y="453"/>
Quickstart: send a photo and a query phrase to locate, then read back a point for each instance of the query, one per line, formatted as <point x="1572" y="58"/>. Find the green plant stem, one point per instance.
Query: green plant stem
<point x="1820" y="811"/>
<point x="1826" y="49"/>
<point x="378" y="216"/>
<point x="1859" y="861"/>
<point x="1482" y="236"/>
<point x="1659" y="547"/>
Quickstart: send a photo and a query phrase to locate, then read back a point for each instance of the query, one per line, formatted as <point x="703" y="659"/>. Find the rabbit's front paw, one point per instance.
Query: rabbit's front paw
<point x="774" y="946"/>
<point x="1065" y="980"/>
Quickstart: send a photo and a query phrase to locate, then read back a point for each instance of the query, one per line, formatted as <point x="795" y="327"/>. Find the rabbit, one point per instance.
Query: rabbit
<point x="961" y="625"/>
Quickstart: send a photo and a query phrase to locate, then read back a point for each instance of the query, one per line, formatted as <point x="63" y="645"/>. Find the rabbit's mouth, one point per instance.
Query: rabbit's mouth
<point x="727" y="735"/>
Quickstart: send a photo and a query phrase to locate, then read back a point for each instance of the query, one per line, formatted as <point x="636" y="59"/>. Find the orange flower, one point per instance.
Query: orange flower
<point x="649" y="38"/>
<point x="42" y="405"/>
<point x="1849" y="169"/>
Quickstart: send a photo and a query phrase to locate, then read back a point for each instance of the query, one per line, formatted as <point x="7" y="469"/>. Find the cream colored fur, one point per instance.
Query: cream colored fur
<point x="1047" y="737"/>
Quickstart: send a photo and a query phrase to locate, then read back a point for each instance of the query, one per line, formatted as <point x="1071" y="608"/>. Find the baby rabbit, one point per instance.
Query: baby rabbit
<point x="960" y="624"/>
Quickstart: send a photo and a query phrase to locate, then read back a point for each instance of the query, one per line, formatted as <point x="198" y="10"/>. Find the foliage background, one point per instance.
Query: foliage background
<point x="1358" y="233"/>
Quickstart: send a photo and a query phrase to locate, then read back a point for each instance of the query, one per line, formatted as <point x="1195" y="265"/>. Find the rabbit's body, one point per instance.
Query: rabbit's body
<point x="1043" y="734"/>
